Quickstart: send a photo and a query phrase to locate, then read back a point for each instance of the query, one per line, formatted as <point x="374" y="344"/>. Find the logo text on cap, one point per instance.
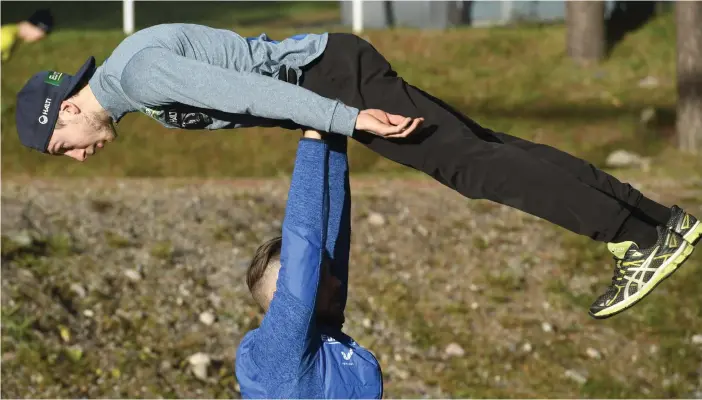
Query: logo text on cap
<point x="43" y="119"/>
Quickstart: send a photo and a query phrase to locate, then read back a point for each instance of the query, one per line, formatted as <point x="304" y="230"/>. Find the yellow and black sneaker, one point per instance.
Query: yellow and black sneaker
<point x="638" y="271"/>
<point x="687" y="226"/>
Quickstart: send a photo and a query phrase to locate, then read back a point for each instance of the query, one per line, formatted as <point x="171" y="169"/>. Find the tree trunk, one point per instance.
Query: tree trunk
<point x="586" y="31"/>
<point x="389" y="14"/>
<point x="689" y="65"/>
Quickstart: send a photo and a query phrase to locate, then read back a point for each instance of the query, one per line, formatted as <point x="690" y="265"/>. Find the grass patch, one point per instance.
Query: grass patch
<point x="30" y="245"/>
<point x="117" y="241"/>
<point x="162" y="250"/>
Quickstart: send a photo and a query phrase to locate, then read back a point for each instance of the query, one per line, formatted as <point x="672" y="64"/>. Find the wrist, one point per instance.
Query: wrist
<point x="310" y="134"/>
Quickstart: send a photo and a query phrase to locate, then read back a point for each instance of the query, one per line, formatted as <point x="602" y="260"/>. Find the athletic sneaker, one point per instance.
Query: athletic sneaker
<point x="638" y="271"/>
<point x="687" y="226"/>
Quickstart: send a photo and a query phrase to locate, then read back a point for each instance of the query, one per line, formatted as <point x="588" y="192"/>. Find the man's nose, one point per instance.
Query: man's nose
<point x="79" y="155"/>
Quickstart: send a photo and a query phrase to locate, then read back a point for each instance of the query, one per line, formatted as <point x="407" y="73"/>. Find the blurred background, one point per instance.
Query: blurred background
<point x="123" y="276"/>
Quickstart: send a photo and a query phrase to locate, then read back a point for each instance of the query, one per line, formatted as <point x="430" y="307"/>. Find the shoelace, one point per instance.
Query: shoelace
<point x="619" y="271"/>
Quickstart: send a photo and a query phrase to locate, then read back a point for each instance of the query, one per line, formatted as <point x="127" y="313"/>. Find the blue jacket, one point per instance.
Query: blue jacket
<point x="289" y="355"/>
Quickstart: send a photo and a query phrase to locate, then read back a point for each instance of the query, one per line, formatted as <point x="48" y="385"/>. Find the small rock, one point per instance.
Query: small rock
<point x="215" y="300"/>
<point x="473" y="287"/>
<point x="546" y="327"/>
<point x="401" y="374"/>
<point x="696" y="339"/>
<point x="23" y="239"/>
<point x="133" y="275"/>
<point x="367" y="323"/>
<point x="526" y="347"/>
<point x="648" y="115"/>
<point x="653" y="349"/>
<point x="474" y="306"/>
<point x="78" y="289"/>
<point x="207" y="318"/>
<point x="376" y="219"/>
<point x="649" y="82"/>
<point x="165" y="365"/>
<point x="37" y="378"/>
<point x="183" y="290"/>
<point x="88" y="313"/>
<point x="422" y="230"/>
<point x="626" y="159"/>
<point x="199" y="363"/>
<point x="454" y="350"/>
<point x="575" y="376"/>
<point x="237" y="388"/>
<point x="592" y="353"/>
<point x="179" y="301"/>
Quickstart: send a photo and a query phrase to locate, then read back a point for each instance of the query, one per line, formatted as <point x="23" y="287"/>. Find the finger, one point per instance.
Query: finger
<point x="400" y="127"/>
<point x="407" y="131"/>
<point x="396" y="119"/>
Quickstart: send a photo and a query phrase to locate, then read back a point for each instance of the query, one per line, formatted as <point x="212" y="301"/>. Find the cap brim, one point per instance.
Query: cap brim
<point x="85" y="72"/>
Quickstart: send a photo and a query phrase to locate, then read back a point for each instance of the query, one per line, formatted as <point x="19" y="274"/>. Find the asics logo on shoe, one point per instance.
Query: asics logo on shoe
<point x="672" y="241"/>
<point x="619" y="289"/>
<point x="685" y="222"/>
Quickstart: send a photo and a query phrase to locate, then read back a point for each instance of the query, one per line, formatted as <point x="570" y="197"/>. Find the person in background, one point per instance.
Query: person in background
<point x="33" y="29"/>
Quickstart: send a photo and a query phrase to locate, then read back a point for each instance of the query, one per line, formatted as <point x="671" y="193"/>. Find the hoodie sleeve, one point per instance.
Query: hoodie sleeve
<point x="157" y="76"/>
<point x="338" y="241"/>
<point x="286" y="342"/>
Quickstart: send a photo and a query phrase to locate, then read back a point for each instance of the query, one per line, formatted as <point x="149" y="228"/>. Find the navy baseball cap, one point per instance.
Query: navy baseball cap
<point x="39" y="101"/>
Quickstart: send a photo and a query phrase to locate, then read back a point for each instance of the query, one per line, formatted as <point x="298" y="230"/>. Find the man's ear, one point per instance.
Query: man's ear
<point x="69" y="107"/>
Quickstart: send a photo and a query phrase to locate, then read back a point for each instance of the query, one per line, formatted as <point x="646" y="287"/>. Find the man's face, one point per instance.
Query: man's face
<point x="82" y="135"/>
<point x="30" y="32"/>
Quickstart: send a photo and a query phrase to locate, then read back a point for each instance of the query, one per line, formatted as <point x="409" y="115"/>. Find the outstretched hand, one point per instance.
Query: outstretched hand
<point x="380" y="123"/>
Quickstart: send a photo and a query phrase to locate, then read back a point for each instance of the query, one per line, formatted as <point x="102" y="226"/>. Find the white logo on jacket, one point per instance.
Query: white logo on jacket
<point x="347" y="356"/>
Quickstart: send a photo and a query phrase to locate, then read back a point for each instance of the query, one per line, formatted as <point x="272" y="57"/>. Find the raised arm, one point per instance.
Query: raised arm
<point x="339" y="226"/>
<point x="287" y="339"/>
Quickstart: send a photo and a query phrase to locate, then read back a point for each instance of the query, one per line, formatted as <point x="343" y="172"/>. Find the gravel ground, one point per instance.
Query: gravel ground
<point x="135" y="288"/>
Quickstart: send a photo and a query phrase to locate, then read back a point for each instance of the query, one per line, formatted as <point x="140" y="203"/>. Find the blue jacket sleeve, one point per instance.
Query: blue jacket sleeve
<point x="339" y="225"/>
<point x="286" y="342"/>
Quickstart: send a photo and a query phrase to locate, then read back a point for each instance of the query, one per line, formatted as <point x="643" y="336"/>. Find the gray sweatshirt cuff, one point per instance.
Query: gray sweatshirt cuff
<point x="343" y="119"/>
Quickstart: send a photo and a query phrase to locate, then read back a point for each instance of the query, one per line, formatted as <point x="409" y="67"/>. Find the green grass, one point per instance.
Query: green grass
<point x="483" y="72"/>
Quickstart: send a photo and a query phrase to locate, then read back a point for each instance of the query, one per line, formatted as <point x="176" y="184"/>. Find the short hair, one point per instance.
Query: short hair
<point x="266" y="253"/>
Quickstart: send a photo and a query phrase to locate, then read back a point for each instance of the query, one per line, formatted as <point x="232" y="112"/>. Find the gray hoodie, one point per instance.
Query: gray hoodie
<point x="196" y="77"/>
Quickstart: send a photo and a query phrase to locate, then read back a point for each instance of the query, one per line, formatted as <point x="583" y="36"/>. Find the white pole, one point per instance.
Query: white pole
<point x="128" y="16"/>
<point x="357" y="15"/>
<point x="506" y="12"/>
